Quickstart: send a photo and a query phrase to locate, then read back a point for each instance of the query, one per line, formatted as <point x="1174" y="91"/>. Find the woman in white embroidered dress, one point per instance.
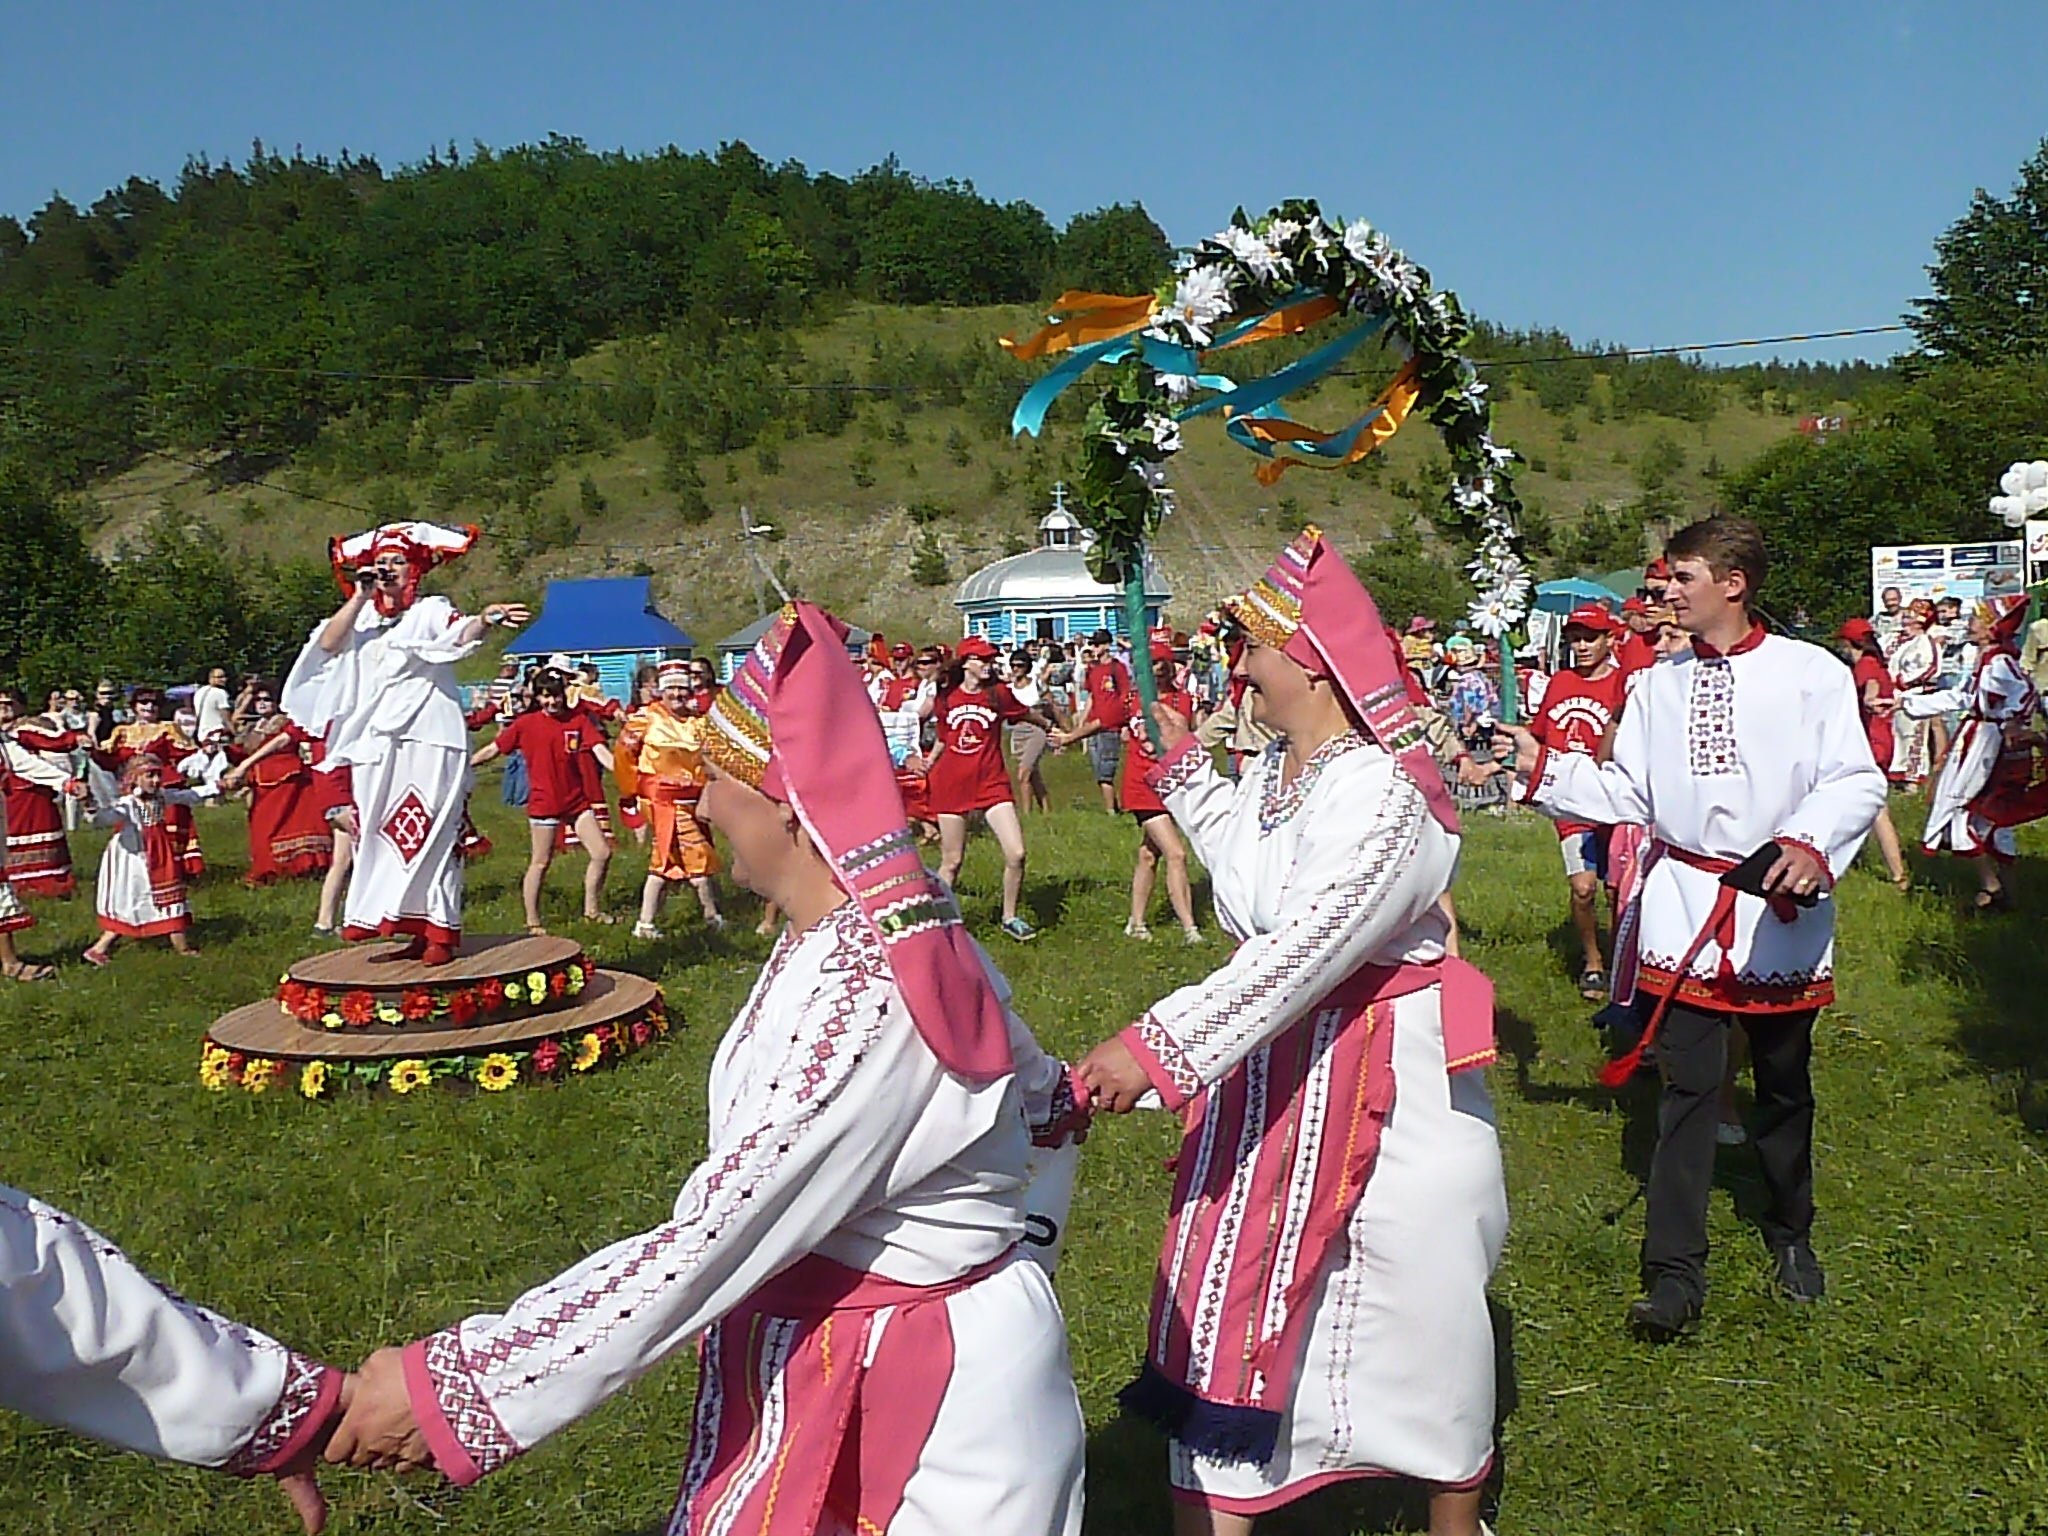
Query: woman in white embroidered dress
<point x="1915" y="664"/>
<point x="1967" y="815"/>
<point x="877" y="1355"/>
<point x="1338" y="1199"/>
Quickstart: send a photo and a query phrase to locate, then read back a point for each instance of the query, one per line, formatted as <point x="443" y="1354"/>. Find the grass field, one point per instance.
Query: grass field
<point x="1910" y="1402"/>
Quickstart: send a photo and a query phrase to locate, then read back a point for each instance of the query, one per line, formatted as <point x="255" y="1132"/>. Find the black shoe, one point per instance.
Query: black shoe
<point x="1799" y="1276"/>
<point x="1666" y="1312"/>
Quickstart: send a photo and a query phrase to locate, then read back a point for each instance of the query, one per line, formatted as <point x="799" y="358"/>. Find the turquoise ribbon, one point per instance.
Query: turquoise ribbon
<point x="1162" y="356"/>
<point x="1254" y="397"/>
<point x="1337" y="447"/>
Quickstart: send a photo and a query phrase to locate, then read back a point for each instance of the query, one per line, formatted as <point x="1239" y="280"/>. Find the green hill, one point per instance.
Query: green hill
<point x="914" y="455"/>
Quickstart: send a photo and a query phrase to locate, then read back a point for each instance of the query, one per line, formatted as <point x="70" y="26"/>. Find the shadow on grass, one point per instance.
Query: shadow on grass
<point x="1047" y="900"/>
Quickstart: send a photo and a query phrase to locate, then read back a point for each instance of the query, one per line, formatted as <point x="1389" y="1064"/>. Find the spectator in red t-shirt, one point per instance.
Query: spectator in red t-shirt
<point x="1158" y="838"/>
<point x="1580" y="707"/>
<point x="1874" y="686"/>
<point x="1107" y="682"/>
<point x="555" y="740"/>
<point x="1636" y="645"/>
<point x="966" y="776"/>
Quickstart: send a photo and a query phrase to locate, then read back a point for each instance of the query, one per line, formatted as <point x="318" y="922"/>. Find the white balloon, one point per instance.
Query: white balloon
<point x="2014" y="481"/>
<point x="2036" y="500"/>
<point x="2016" y="518"/>
<point x="2037" y="475"/>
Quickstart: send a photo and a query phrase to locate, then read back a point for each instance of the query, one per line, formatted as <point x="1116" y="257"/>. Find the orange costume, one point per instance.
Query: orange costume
<point x="659" y="761"/>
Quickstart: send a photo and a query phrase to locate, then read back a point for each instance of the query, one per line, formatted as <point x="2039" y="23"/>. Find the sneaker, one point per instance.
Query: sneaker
<point x="646" y="931"/>
<point x="1019" y="930"/>
<point x="1192" y="938"/>
<point x="1730" y="1133"/>
<point x="1138" y="931"/>
<point x="1666" y="1312"/>
<point x="1799" y="1277"/>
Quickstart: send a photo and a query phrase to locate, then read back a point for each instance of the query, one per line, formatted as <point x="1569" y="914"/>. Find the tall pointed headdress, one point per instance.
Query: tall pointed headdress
<point x="796" y="724"/>
<point x="424" y="545"/>
<point x="1310" y="605"/>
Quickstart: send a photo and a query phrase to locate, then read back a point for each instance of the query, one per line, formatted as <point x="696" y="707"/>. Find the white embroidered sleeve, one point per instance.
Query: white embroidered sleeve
<point x="34" y="767"/>
<point x="800" y="1158"/>
<point x="90" y="1343"/>
<point x="1572" y="786"/>
<point x="1347" y="896"/>
<point x="1200" y="799"/>
<point x="428" y="632"/>
<point x="1931" y="702"/>
<point x="1848" y="788"/>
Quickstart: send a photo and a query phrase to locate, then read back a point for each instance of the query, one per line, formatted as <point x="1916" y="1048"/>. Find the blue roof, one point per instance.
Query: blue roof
<point x="600" y="613"/>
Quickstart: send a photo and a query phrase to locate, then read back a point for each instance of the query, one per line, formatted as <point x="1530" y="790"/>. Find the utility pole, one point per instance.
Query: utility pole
<point x="750" y="533"/>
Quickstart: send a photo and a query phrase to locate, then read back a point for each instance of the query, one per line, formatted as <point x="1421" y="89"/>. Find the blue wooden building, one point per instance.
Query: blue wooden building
<point x="1047" y="594"/>
<point x="609" y="620"/>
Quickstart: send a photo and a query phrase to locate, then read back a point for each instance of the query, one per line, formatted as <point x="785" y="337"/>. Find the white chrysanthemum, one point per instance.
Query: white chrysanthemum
<point x="1403" y="276"/>
<point x="1165" y="432"/>
<point x="1178" y="386"/>
<point x="1200" y="299"/>
<point x="1496" y="456"/>
<point x="1282" y="233"/>
<point x="1493" y="617"/>
<point x="1252" y="253"/>
<point x="1362" y="242"/>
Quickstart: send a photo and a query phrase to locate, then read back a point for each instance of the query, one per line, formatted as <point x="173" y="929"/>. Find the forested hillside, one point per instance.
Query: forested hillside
<point x="602" y="357"/>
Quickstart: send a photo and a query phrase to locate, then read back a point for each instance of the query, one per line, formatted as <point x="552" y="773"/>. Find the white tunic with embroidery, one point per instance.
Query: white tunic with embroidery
<point x="1719" y="755"/>
<point x="387" y="707"/>
<point x="123" y="896"/>
<point x="1915" y="663"/>
<point x="1338" y="871"/>
<point x="1998" y="697"/>
<point x="834" y="1131"/>
<point x="90" y="1343"/>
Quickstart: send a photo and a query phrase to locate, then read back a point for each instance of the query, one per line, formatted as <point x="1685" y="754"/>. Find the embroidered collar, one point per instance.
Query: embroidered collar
<point x="1747" y="643"/>
<point x="1277" y="803"/>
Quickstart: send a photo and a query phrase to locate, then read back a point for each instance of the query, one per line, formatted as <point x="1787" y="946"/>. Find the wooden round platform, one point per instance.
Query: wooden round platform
<point x="260" y="1029"/>
<point x="376" y="967"/>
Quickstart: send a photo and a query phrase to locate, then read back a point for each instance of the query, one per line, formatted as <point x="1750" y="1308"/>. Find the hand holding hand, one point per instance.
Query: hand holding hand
<point x="300" y="1480"/>
<point x="1114" y="1080"/>
<point x="378" y="1429"/>
<point x="1513" y="739"/>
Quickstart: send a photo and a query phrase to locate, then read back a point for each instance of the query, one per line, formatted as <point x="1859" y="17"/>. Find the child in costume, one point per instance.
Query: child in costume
<point x="141" y="886"/>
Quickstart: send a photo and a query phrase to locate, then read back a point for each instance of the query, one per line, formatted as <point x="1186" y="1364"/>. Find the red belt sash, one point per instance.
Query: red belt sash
<point x="792" y="1414"/>
<point x="1718" y="930"/>
<point x="1273" y="1163"/>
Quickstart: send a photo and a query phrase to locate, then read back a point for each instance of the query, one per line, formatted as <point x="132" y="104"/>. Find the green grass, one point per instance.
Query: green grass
<point x="1909" y="1402"/>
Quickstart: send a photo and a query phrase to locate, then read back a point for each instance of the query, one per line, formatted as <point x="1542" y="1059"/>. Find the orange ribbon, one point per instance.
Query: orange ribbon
<point x="1083" y="319"/>
<point x="1393" y="405"/>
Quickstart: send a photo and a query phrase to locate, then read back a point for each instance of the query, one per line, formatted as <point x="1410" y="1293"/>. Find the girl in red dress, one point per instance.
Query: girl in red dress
<point x="1874" y="686"/>
<point x="1158" y="838"/>
<point x="164" y="740"/>
<point x="966" y="776"/>
<point x="289" y="838"/>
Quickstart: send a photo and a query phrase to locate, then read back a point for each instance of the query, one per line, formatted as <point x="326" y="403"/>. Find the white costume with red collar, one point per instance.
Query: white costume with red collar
<point x="1719" y="755"/>
<point x="1998" y="701"/>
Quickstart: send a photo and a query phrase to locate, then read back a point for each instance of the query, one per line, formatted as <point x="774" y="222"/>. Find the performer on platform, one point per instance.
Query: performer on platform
<point x="1158" y="842"/>
<point x="1993" y="780"/>
<point x="91" y="1344"/>
<point x="289" y="838"/>
<point x="140" y="893"/>
<point x="659" y="766"/>
<point x="876" y="1355"/>
<point x="555" y="740"/>
<point x="966" y="776"/>
<point x="376" y="682"/>
<point x="1706" y="755"/>
<point x="34" y="768"/>
<point x="1338" y="1203"/>
<point x="170" y="744"/>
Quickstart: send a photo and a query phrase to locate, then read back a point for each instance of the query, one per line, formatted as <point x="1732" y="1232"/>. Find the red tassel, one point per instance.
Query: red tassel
<point x="1622" y="1068"/>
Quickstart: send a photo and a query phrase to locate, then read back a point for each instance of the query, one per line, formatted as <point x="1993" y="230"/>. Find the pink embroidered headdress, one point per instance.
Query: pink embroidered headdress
<point x="796" y="724"/>
<point x="1311" y="606"/>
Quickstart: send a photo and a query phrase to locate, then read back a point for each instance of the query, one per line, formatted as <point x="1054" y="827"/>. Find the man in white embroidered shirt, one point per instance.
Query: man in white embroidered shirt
<point x="1704" y="757"/>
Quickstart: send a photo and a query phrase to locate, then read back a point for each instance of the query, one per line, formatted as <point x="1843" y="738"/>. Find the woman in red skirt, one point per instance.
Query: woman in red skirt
<point x="149" y="732"/>
<point x="967" y="776"/>
<point x="1874" y="685"/>
<point x="289" y="838"/>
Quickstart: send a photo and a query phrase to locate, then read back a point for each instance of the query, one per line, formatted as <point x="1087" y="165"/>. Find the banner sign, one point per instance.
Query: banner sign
<point x="1962" y="571"/>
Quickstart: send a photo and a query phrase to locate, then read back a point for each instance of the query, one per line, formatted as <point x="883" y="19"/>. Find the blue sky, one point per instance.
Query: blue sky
<point x="1646" y="173"/>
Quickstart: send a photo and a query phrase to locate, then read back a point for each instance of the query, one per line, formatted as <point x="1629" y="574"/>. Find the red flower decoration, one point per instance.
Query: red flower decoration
<point x="236" y="1061"/>
<point x="606" y="1033"/>
<point x="642" y="1032"/>
<point x="558" y="984"/>
<point x="416" y="1003"/>
<point x="463" y="1006"/>
<point x="547" y="1057"/>
<point x="358" y="1007"/>
<point x="312" y="1004"/>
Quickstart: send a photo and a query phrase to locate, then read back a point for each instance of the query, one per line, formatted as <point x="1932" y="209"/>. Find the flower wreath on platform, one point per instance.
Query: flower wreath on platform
<point x="1252" y="282"/>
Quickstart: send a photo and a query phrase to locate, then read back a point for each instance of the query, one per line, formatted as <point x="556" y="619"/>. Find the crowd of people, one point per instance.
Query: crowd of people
<point x="879" y="1107"/>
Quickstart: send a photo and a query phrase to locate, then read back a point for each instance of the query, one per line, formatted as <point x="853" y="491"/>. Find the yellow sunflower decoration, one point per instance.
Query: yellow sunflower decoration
<point x="213" y="1070"/>
<point x="313" y="1079"/>
<point x="409" y="1074"/>
<point x="589" y="1051"/>
<point x="497" y="1072"/>
<point x="258" y="1074"/>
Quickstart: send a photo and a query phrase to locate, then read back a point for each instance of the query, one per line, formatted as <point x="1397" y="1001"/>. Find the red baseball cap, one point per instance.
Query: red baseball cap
<point x="901" y="649"/>
<point x="1856" y="631"/>
<point x="1634" y="605"/>
<point x="975" y="645"/>
<point x="1591" y="616"/>
<point x="1658" y="569"/>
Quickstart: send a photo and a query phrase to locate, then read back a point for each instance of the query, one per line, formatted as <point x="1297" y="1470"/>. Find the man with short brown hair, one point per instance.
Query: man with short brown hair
<point x="1746" y="758"/>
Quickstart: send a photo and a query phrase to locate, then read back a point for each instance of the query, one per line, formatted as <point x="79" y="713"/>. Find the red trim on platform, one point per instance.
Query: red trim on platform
<point x="155" y="930"/>
<point x="404" y="928"/>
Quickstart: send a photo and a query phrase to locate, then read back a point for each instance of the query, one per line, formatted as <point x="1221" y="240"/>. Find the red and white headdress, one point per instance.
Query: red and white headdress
<point x="671" y="670"/>
<point x="796" y="723"/>
<point x="2006" y="615"/>
<point x="424" y="545"/>
<point x="1311" y="606"/>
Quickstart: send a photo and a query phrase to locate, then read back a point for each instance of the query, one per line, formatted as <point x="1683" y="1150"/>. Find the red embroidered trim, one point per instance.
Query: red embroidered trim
<point x="468" y="1414"/>
<point x="1710" y="721"/>
<point x="1736" y="994"/>
<point x="311" y="1392"/>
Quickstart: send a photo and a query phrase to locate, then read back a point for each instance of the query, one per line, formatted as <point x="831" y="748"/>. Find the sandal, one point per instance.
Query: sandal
<point x="602" y="919"/>
<point x="26" y="971"/>
<point x="1593" y="984"/>
<point x="1999" y="900"/>
<point x="536" y="930"/>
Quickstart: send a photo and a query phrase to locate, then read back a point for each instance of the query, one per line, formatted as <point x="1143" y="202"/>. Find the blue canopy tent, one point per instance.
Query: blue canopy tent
<point x="609" y="620"/>
<point x="1563" y="596"/>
